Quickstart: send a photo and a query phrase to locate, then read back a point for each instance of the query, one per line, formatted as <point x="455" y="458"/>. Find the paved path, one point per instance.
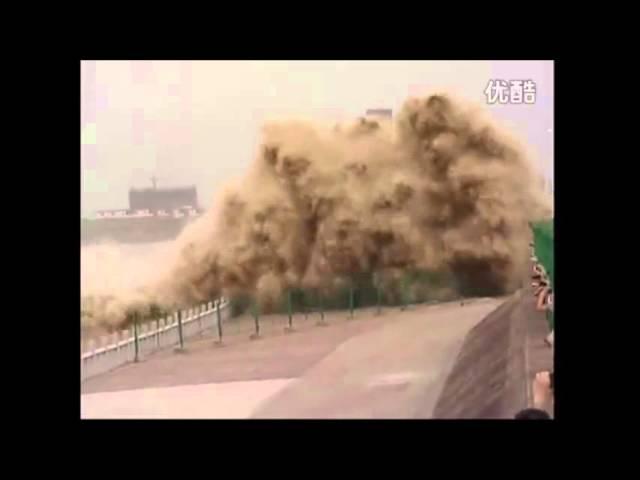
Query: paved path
<point x="395" y="371"/>
<point x="232" y="400"/>
<point x="275" y="355"/>
<point x="387" y="366"/>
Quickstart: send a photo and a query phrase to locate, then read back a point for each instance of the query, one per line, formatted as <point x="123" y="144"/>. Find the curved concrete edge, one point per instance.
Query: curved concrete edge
<point x="496" y="364"/>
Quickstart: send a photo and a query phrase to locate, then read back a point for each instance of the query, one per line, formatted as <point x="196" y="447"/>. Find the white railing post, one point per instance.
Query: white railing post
<point x="103" y="353"/>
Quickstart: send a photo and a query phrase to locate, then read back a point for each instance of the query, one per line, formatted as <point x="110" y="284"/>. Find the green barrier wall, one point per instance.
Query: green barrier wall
<point x="543" y="247"/>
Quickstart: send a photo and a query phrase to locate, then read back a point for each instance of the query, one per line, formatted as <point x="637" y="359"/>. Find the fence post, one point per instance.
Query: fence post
<point x="123" y="336"/>
<point x="404" y="294"/>
<point x="158" y="332"/>
<point x="351" y="301"/>
<point x="216" y="305"/>
<point x="305" y="305"/>
<point x="289" y="329"/>
<point x="181" y="347"/>
<point x="256" y="318"/>
<point x="321" y="307"/>
<point x="135" y="337"/>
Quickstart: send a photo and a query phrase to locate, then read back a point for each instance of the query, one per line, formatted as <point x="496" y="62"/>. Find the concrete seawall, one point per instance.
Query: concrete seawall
<point x="498" y="360"/>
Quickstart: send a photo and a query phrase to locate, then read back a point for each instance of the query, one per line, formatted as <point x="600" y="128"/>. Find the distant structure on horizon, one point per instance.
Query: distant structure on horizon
<point x="154" y="215"/>
<point x="156" y="199"/>
<point x="158" y="202"/>
<point x="380" y="112"/>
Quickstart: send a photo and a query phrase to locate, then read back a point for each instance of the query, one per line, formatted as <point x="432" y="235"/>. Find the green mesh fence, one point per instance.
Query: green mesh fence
<point x="411" y="288"/>
<point x="543" y="247"/>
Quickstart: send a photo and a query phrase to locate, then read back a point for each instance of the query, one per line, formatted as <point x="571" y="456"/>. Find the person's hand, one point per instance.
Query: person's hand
<point x="549" y="339"/>
<point x="542" y="394"/>
<point x="542" y="297"/>
<point x="539" y="288"/>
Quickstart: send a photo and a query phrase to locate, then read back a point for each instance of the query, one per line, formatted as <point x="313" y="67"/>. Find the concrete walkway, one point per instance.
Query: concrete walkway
<point x="232" y="400"/>
<point x="395" y="371"/>
<point x="388" y="366"/>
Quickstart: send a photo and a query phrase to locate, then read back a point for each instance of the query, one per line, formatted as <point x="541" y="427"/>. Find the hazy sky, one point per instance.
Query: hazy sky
<point x="199" y="122"/>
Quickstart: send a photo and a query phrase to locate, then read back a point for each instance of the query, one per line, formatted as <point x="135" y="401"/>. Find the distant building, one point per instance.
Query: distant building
<point x="380" y="112"/>
<point x="154" y="215"/>
<point x="157" y="202"/>
<point x="163" y="199"/>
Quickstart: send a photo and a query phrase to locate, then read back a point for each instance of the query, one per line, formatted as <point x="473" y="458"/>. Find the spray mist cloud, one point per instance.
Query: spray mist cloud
<point x="441" y="187"/>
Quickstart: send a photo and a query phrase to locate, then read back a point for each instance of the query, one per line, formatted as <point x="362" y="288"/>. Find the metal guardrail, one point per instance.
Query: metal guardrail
<point x="194" y="322"/>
